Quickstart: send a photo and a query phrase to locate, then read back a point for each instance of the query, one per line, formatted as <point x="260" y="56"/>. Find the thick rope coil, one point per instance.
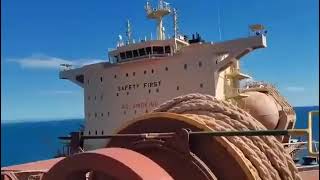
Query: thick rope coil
<point x="267" y="156"/>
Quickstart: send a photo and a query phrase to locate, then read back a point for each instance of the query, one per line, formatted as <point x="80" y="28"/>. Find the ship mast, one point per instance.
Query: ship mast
<point x="158" y="14"/>
<point x="175" y="22"/>
<point x="128" y="32"/>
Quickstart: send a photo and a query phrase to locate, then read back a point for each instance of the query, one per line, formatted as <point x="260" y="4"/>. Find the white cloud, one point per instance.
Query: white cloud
<point x="47" y="62"/>
<point x="295" y="88"/>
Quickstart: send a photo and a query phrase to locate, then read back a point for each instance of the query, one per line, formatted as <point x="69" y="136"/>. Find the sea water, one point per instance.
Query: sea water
<point x="31" y="141"/>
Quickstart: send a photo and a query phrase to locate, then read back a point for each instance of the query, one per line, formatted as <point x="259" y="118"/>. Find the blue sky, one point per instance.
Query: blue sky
<point x="37" y="35"/>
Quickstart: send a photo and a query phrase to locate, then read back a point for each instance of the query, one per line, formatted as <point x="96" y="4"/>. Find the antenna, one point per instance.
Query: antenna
<point x="219" y="23"/>
<point x="129" y="32"/>
<point x="175" y="22"/>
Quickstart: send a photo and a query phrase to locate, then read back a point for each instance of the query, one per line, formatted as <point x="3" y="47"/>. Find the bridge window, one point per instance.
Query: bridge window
<point x="129" y="54"/>
<point x="167" y="49"/>
<point x="157" y="50"/>
<point x="135" y="53"/>
<point x="148" y="50"/>
<point x="114" y="59"/>
<point x="123" y="55"/>
<point x="142" y="52"/>
<point x="80" y="78"/>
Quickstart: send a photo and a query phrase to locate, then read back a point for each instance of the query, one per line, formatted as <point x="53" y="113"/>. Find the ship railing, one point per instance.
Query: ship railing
<point x="293" y="148"/>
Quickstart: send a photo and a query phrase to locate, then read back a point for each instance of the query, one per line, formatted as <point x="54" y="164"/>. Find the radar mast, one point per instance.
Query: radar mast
<point x="158" y="14"/>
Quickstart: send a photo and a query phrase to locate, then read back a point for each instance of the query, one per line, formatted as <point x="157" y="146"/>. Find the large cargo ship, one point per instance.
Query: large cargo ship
<point x="176" y="108"/>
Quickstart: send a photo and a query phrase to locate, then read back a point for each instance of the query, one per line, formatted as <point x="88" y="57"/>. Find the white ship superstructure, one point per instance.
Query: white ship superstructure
<point x="139" y="76"/>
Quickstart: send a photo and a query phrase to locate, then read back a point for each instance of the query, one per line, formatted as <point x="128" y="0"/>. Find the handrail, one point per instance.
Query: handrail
<point x="308" y="132"/>
<point x="291" y="132"/>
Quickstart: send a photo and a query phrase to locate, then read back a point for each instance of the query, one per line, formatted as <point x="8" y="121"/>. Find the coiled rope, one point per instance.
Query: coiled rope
<point x="266" y="156"/>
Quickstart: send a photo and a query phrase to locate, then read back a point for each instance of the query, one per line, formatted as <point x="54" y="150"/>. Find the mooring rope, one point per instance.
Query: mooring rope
<point x="265" y="155"/>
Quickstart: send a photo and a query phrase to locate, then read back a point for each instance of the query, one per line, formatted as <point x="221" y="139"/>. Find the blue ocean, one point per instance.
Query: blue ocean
<point x="31" y="141"/>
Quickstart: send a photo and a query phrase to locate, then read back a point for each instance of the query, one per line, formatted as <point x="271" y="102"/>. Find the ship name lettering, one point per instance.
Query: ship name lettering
<point x="152" y="84"/>
<point x="128" y="87"/>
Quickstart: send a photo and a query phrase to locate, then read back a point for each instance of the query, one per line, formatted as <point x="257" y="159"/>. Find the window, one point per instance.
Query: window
<point x="127" y="93"/>
<point x="135" y="53"/>
<point x="148" y="50"/>
<point x="166" y="68"/>
<point x="80" y="78"/>
<point x="89" y="132"/>
<point x="117" y="94"/>
<point x="201" y="85"/>
<point x="88" y="97"/>
<point x="102" y="132"/>
<point x="127" y="74"/>
<point x="135" y="111"/>
<point x="96" y="132"/>
<point x="95" y="115"/>
<point x="101" y="97"/>
<point x="108" y="113"/>
<point x="142" y="52"/>
<point x="88" y="81"/>
<point x="167" y="50"/>
<point x="101" y="114"/>
<point x="116" y="58"/>
<point x="178" y="88"/>
<point x="89" y="114"/>
<point x="157" y="90"/>
<point x="134" y="73"/>
<point x="185" y="66"/>
<point x="95" y="97"/>
<point x="149" y="91"/>
<point x="157" y="50"/>
<point x="129" y="54"/>
<point x="144" y="72"/>
<point x="115" y="76"/>
<point x="123" y="55"/>
<point x="152" y="71"/>
<point x="200" y="64"/>
<point x="101" y="79"/>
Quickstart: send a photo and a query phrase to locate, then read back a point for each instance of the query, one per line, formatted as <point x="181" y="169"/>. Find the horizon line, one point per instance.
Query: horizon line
<point x="73" y="118"/>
